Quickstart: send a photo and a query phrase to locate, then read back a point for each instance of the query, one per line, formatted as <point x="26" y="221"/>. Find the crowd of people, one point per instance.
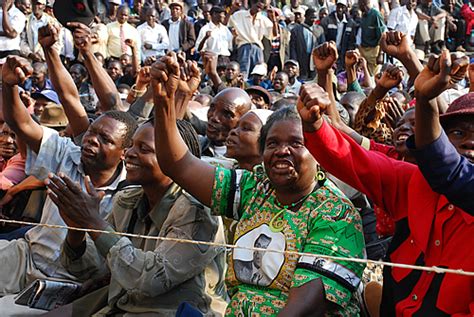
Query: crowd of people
<point x="341" y="130"/>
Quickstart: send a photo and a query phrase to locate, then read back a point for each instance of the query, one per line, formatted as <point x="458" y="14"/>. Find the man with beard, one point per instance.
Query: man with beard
<point x="224" y="112"/>
<point x="292" y="68"/>
<point x="100" y="157"/>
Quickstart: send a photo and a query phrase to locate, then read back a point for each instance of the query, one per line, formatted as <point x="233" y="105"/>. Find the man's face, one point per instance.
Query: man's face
<point x="125" y="60"/>
<point x="460" y="131"/>
<point x="411" y="4"/>
<point x="231" y="72"/>
<point x="222" y="116"/>
<point x="280" y="82"/>
<point x="340" y="10"/>
<point x="176" y="12"/>
<point x="25" y="6"/>
<point x="218" y="17"/>
<point x="39" y="106"/>
<point x="294" y="3"/>
<point x="298" y="17"/>
<point x="8" y="146"/>
<point x="258" y="100"/>
<point x="122" y="15"/>
<point x="257" y="79"/>
<point x="76" y="75"/>
<point x="310" y="17"/>
<point x="38" y="78"/>
<point x="291" y="69"/>
<point x="201" y="4"/>
<point x="151" y="18"/>
<point x="114" y="70"/>
<point x="102" y="145"/>
<point x="38" y="9"/>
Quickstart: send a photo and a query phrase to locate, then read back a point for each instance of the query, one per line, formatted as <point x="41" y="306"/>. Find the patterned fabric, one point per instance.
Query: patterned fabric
<point x="326" y="223"/>
<point x="369" y="122"/>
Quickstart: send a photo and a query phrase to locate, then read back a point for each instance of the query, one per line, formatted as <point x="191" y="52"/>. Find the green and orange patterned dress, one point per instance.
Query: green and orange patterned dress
<point x="326" y="223"/>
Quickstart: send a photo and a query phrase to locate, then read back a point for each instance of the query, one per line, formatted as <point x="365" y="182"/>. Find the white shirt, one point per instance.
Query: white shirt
<point x="157" y="37"/>
<point x="220" y="41"/>
<point x="35" y="25"/>
<point x="17" y="21"/>
<point x="340" y="29"/>
<point x="400" y="19"/>
<point x="173" y="34"/>
<point x="250" y="31"/>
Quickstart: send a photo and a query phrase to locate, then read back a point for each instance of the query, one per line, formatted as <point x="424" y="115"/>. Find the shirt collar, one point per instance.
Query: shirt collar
<point x="344" y="20"/>
<point x="175" y="22"/>
<point x="161" y="210"/>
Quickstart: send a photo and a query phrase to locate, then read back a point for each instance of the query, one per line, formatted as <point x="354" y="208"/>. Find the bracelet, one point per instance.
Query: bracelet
<point x="137" y="93"/>
<point x="365" y="143"/>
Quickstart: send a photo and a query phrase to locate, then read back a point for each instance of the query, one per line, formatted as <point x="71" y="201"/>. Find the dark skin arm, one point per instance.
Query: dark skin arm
<point x="104" y="86"/>
<point x="438" y="75"/>
<point x="135" y="56"/>
<point x="209" y="60"/>
<point x="28" y="183"/>
<point x="14" y="72"/>
<point x="62" y="81"/>
<point x="325" y="56"/>
<point x="174" y="157"/>
<point x="307" y="300"/>
<point x="8" y="29"/>
<point x="396" y="44"/>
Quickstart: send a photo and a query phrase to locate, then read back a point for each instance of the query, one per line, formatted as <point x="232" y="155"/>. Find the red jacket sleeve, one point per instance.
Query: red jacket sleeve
<point x="382" y="179"/>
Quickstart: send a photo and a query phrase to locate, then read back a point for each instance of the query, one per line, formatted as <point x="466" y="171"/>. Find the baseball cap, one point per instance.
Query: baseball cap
<point x="41" y="2"/>
<point x="299" y="10"/>
<point x="51" y="95"/>
<point x="344" y="2"/>
<point x="259" y="69"/>
<point x="294" y="62"/>
<point x="82" y="11"/>
<point x="176" y="3"/>
<point x="117" y="2"/>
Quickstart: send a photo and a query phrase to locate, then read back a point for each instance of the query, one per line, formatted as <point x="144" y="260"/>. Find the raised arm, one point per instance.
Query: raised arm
<point x="14" y="72"/>
<point x="189" y="172"/>
<point x="7" y="25"/>
<point x="62" y="81"/>
<point x="446" y="171"/>
<point x="104" y="86"/>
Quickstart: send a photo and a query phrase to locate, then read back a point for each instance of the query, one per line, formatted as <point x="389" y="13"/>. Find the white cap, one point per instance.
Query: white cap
<point x="262" y="114"/>
<point x="344" y="2"/>
<point x="260" y="69"/>
<point x="117" y="2"/>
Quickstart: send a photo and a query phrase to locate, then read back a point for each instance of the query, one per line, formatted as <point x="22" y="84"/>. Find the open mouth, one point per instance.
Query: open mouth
<point x="131" y="166"/>
<point x="87" y="152"/>
<point x="469" y="155"/>
<point x="282" y="166"/>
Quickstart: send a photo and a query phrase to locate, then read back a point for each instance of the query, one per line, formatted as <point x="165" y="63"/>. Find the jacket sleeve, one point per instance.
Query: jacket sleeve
<point x="447" y="172"/>
<point x="382" y="179"/>
<point x="170" y="263"/>
<point x="190" y="40"/>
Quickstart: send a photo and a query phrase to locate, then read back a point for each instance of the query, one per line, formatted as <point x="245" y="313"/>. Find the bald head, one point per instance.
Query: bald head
<point x="224" y="113"/>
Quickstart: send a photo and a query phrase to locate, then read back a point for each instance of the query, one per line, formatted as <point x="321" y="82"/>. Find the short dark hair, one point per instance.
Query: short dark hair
<point x="129" y="122"/>
<point x="284" y="114"/>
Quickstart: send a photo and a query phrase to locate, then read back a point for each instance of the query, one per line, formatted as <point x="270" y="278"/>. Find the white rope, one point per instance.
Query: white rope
<point x="231" y="246"/>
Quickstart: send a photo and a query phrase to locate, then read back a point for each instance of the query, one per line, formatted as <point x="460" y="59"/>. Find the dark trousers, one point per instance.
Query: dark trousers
<point x="249" y="55"/>
<point x="4" y="54"/>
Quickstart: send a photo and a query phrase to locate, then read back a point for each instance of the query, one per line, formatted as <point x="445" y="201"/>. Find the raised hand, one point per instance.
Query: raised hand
<point x="395" y="44"/>
<point x="325" y="56"/>
<point x="312" y="103"/>
<point x="16" y="70"/>
<point x="76" y="207"/>
<point x="82" y="36"/>
<point x="440" y="73"/>
<point x="209" y="61"/>
<point x="144" y="76"/>
<point x="165" y="79"/>
<point x="48" y="35"/>
<point x="471" y="77"/>
<point x="391" y="77"/>
<point x="352" y="58"/>
<point x="131" y="43"/>
<point x="393" y="111"/>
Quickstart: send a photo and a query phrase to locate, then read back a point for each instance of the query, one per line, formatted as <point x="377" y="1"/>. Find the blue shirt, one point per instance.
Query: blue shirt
<point x="446" y="171"/>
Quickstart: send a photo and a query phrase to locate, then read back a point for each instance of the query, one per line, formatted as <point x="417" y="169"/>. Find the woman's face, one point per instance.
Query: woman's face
<point x="242" y="142"/>
<point x="288" y="163"/>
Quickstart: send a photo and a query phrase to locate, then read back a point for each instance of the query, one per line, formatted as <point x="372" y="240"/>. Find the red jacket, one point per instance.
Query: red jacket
<point x="430" y="231"/>
<point x="468" y="14"/>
